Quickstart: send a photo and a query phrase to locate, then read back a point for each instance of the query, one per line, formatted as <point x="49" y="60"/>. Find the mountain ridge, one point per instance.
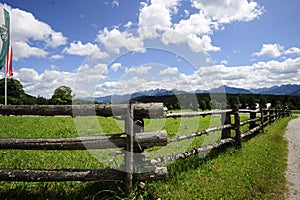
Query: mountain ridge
<point x="289" y="89"/>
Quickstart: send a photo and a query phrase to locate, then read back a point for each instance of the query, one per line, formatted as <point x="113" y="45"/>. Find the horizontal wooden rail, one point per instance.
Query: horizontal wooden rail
<point x="199" y="133"/>
<point x="159" y="173"/>
<point x="264" y="116"/>
<point x="171" y="158"/>
<point x="195" y="114"/>
<point x="141" y="110"/>
<point x="145" y="140"/>
<point x="266" y="122"/>
<point x="249" y="121"/>
<point x="249" y="111"/>
<point x="250" y="132"/>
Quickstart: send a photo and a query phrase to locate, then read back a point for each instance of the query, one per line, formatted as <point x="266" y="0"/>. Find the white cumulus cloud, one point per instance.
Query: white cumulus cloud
<point x="293" y="50"/>
<point x="25" y="27"/>
<point x="115" y="3"/>
<point x="24" y="50"/>
<point x="85" y="79"/>
<point x="276" y="50"/>
<point x="82" y="80"/>
<point x="116" y="66"/>
<point x="226" y="11"/>
<point x="138" y="70"/>
<point x="169" y="70"/>
<point x="270" y="50"/>
<point x="156" y="17"/>
<point x="114" y="40"/>
<point x="87" y="49"/>
<point x="57" y="57"/>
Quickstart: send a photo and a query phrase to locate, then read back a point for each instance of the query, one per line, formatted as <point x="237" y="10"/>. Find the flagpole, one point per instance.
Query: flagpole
<point x="5" y="88"/>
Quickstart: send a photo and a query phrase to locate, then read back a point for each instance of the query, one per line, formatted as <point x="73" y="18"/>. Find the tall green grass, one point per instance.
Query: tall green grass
<point x="296" y="112"/>
<point x="257" y="171"/>
<point x="224" y="173"/>
<point x="54" y="127"/>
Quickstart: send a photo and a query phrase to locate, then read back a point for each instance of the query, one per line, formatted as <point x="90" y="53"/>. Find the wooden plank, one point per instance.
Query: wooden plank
<point x="252" y="131"/>
<point x="195" y="114"/>
<point x="142" y="110"/>
<point x="145" y="140"/>
<point x="43" y="175"/>
<point x="157" y="173"/>
<point x="171" y="158"/>
<point x="248" y="111"/>
<point x="199" y="133"/>
<point x="59" y="175"/>
<point x="249" y="121"/>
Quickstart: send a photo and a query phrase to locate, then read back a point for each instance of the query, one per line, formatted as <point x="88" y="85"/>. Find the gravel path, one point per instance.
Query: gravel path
<point x="293" y="171"/>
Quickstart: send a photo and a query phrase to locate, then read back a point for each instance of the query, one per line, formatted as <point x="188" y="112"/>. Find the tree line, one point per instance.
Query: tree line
<point x="16" y="95"/>
<point x="208" y="101"/>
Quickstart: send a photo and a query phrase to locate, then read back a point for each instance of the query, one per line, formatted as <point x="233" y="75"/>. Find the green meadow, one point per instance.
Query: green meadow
<point x="254" y="172"/>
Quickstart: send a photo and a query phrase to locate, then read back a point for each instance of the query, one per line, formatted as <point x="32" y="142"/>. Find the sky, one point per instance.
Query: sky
<point x="100" y="48"/>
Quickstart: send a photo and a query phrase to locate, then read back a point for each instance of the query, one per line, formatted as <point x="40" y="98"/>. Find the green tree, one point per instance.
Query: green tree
<point x="62" y="96"/>
<point x="263" y="101"/>
<point x="14" y="88"/>
<point x="15" y="92"/>
<point x="202" y="105"/>
<point x="41" y="100"/>
<point x="251" y="102"/>
<point x="233" y="101"/>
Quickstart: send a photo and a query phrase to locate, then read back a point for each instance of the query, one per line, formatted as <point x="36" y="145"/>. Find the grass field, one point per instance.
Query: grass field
<point x="296" y="112"/>
<point x="256" y="172"/>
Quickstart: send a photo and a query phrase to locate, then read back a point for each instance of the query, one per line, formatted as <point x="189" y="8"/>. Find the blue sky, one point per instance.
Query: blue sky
<point x="116" y="47"/>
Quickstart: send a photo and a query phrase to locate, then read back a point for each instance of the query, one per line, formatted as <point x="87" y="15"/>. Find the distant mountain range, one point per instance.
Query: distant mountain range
<point x="229" y="90"/>
<point x="291" y="90"/>
<point x="126" y="97"/>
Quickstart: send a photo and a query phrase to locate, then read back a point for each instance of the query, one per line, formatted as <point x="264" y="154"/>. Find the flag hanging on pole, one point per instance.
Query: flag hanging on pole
<point x="4" y="35"/>
<point x="8" y="66"/>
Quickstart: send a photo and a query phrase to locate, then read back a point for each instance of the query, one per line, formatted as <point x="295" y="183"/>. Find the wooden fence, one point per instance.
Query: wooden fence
<point x="134" y="140"/>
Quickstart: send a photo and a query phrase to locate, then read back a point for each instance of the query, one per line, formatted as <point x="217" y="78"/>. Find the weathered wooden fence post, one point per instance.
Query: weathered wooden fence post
<point x="262" y="120"/>
<point x="271" y="114"/>
<point x="252" y="124"/>
<point x="287" y="112"/>
<point x="129" y="160"/>
<point x="266" y="115"/>
<point x="226" y="119"/>
<point x="281" y="115"/>
<point x="139" y="157"/>
<point x="237" y="126"/>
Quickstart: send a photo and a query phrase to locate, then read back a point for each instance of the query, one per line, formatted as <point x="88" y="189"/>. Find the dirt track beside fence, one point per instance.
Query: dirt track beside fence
<point x="293" y="171"/>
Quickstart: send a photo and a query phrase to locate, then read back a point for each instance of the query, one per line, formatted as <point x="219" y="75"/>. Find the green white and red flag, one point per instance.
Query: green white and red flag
<point x="8" y="66"/>
<point x="5" y="42"/>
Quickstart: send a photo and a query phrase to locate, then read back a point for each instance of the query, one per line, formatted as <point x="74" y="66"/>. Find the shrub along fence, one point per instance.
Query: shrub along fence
<point x="134" y="141"/>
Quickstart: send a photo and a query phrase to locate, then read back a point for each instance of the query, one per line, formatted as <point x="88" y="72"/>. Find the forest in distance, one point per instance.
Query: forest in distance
<point x="206" y="102"/>
<point x="63" y="95"/>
